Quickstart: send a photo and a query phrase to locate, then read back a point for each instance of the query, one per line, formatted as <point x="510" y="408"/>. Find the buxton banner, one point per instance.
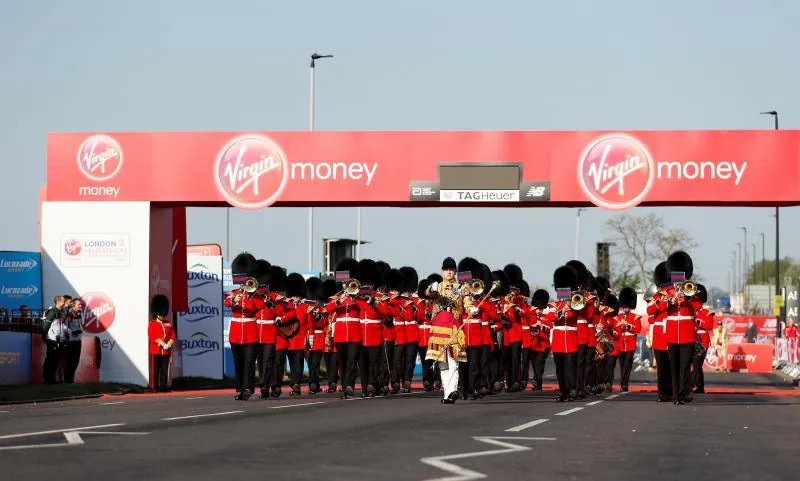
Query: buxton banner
<point x="614" y="170"/>
<point x="200" y="327"/>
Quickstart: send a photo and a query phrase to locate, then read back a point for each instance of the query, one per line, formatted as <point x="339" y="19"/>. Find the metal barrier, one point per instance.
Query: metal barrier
<point x="24" y="320"/>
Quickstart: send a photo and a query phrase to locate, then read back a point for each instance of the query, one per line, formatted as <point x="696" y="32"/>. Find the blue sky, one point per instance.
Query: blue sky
<point x="419" y="65"/>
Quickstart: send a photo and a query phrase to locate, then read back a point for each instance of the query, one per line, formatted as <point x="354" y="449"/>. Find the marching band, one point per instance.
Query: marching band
<point x="477" y="332"/>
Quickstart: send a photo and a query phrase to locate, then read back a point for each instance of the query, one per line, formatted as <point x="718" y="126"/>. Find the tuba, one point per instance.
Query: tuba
<point x="577" y="301"/>
<point x="250" y="285"/>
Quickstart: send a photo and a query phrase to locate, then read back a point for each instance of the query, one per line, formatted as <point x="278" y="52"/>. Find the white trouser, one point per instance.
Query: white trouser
<point x="449" y="372"/>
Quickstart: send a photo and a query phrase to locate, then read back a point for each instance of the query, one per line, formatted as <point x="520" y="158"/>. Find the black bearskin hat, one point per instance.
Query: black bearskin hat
<point x="603" y="284"/>
<point x="244" y="264"/>
<point x="565" y="277"/>
<point x="502" y="289"/>
<point x="313" y="288"/>
<point x="383" y="267"/>
<point x="350" y="265"/>
<point x="486" y="276"/>
<point x="295" y="285"/>
<point x="580" y="271"/>
<point x="277" y="279"/>
<point x="423" y="286"/>
<point x="159" y="305"/>
<point x="435" y="277"/>
<point x="613" y="304"/>
<point x="680" y="262"/>
<point x="541" y="298"/>
<point x="449" y="264"/>
<point x="328" y="289"/>
<point x="514" y="274"/>
<point x="394" y="280"/>
<point x="262" y="272"/>
<point x="410" y="279"/>
<point x="702" y="293"/>
<point x="524" y="288"/>
<point x="468" y="264"/>
<point x="368" y="272"/>
<point x="627" y="297"/>
<point x="591" y="282"/>
<point x="661" y="275"/>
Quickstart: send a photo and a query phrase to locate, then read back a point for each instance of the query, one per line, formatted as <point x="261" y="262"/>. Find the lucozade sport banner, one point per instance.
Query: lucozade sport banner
<point x="615" y="170"/>
<point x="100" y="252"/>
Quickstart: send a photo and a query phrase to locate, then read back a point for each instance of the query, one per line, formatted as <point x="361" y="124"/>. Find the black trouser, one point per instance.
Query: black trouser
<point x="496" y="373"/>
<point x="399" y="363"/>
<point x="663" y="373"/>
<point x="475" y="360"/>
<point x="347" y="356"/>
<point x="73" y="360"/>
<point x="591" y="367"/>
<point x="582" y="357"/>
<point x="680" y="359"/>
<point x="566" y="371"/>
<point x="159" y="372"/>
<point x="55" y="353"/>
<point x="427" y="366"/>
<point x="411" y="360"/>
<point x="486" y="357"/>
<point x="296" y="358"/>
<point x="369" y="366"/>
<point x="512" y="360"/>
<point x="280" y="368"/>
<point x="698" y="380"/>
<point x="524" y="364"/>
<point x="539" y="360"/>
<point x="611" y="365"/>
<point x="463" y="379"/>
<point x="314" y="359"/>
<point x="244" y="357"/>
<point x="265" y="360"/>
<point x="331" y="367"/>
<point x="387" y="363"/>
<point x="625" y="367"/>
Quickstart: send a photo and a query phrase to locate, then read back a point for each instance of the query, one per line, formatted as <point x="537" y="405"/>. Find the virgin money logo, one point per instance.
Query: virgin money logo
<point x="251" y="171"/>
<point x="99" y="313"/>
<point x="616" y="172"/>
<point x="72" y="247"/>
<point x="99" y="157"/>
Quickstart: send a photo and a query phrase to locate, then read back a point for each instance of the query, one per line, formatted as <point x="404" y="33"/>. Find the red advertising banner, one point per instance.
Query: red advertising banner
<point x="615" y="170"/>
<point x="88" y="368"/>
<point x="766" y="325"/>
<point x="204" y="250"/>
<point x="740" y="357"/>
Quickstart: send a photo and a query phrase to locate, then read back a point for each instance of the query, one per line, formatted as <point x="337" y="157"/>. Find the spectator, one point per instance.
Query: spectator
<point x="51" y="314"/>
<point x="751" y="334"/>
<point x="790" y="331"/>
<point x="719" y="342"/>
<point x="57" y="342"/>
<point x="74" y="319"/>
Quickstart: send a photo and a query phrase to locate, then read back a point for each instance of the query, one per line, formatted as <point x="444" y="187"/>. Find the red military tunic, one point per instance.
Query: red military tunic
<point x="564" y="334"/>
<point x="163" y="331"/>
<point x="598" y="315"/>
<point x="541" y="341"/>
<point x="585" y="317"/>
<point x="680" y="321"/>
<point x="657" y="311"/>
<point x="286" y="312"/>
<point x="316" y="329"/>
<point x="625" y="340"/>
<point x="526" y="318"/>
<point x="705" y="323"/>
<point x="473" y="324"/>
<point x="243" y="328"/>
<point x="347" y="327"/>
<point x="424" y="323"/>
<point x="371" y="320"/>
<point x="399" y="318"/>
<point x="512" y="328"/>
<point x="412" y="326"/>
<point x="487" y="324"/>
<point x="265" y="323"/>
<point x="301" y="313"/>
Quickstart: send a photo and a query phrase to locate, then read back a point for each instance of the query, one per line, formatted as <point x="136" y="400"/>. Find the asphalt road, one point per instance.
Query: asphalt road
<point x="747" y="428"/>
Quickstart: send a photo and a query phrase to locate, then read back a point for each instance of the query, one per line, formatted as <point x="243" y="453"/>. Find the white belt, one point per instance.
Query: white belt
<point x="484" y="323"/>
<point x="425" y="326"/>
<point x="591" y="325"/>
<point x="369" y="321"/>
<point x="472" y="321"/>
<point x="319" y="331"/>
<point x="628" y="334"/>
<point x="565" y="328"/>
<point x="261" y="321"/>
<point x="659" y="323"/>
<point x="242" y="319"/>
<point x="348" y="319"/>
<point x="701" y="331"/>
<point x="582" y="321"/>
<point x="680" y="318"/>
<point x="526" y="328"/>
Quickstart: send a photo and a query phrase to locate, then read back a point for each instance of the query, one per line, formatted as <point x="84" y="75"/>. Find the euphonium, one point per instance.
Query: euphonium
<point x="352" y="287"/>
<point x="688" y="288"/>
<point x="476" y="287"/>
<point x="577" y="301"/>
<point x="250" y="285"/>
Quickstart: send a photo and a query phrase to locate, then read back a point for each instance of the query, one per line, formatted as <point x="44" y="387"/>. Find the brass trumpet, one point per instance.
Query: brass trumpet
<point x="688" y="288"/>
<point x="476" y="287"/>
<point x="352" y="287"/>
<point x="577" y="301"/>
<point x="250" y="285"/>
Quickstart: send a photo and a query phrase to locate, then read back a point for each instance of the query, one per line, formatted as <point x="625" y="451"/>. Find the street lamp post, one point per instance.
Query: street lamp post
<point x="774" y="115"/>
<point x="578" y="229"/>
<point x="744" y="268"/>
<point x="314" y="57"/>
<point x="739" y="267"/>
<point x="763" y="272"/>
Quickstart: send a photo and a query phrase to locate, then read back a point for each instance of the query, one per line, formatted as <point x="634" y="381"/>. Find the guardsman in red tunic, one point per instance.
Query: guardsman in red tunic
<point x="585" y="317"/>
<point x="512" y="327"/>
<point x="161" y="338"/>
<point x="407" y="302"/>
<point x="284" y="312"/>
<point x="705" y="323"/>
<point x="423" y="309"/>
<point x="328" y="319"/>
<point x="681" y="327"/>
<point x="657" y="314"/>
<point x="627" y="325"/>
<point x="600" y="289"/>
<point x="347" y="333"/>
<point x="527" y="317"/>
<point x="540" y="330"/>
<point x="244" y="304"/>
<point x="607" y="326"/>
<point x="315" y="333"/>
<point x="265" y="325"/>
<point x="563" y="316"/>
<point x="296" y="294"/>
<point x="476" y="314"/>
<point x="373" y="312"/>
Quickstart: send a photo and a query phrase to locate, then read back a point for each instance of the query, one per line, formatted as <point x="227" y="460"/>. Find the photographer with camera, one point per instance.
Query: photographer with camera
<point x="55" y="332"/>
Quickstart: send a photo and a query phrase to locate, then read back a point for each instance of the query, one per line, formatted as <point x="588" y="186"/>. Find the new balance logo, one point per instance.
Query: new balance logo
<point x="536" y="191"/>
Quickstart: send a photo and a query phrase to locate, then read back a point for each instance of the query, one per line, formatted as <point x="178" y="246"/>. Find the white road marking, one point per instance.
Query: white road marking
<point x="525" y="426"/>
<point x="4" y="411"/>
<point x="199" y="397"/>
<point x="54" y="431"/>
<point x="296" y="405"/>
<point x="201" y="415"/>
<point x="463" y="474"/>
<point x="613" y="396"/>
<point x="73" y="438"/>
<point x="109" y="404"/>
<point x="569" y="411"/>
<point x="594" y="403"/>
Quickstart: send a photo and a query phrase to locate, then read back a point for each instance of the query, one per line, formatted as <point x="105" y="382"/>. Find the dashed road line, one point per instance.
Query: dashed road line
<point x="55" y="431"/>
<point x="296" y="405"/>
<point x="109" y="403"/>
<point x="198" y="397"/>
<point x="613" y="396"/>
<point x="569" y="411"/>
<point x="525" y="426"/>
<point x="594" y="403"/>
<point x="202" y="415"/>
